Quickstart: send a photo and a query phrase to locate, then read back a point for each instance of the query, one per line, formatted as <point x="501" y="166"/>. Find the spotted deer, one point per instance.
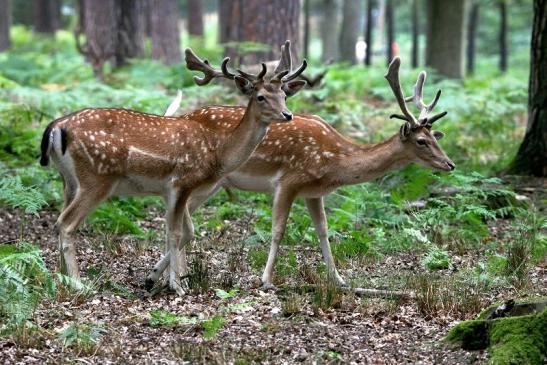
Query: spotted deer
<point x="309" y="158"/>
<point x="102" y="153"/>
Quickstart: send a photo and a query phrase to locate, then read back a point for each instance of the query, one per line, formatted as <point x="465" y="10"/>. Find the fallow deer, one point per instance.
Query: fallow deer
<point x="102" y="153"/>
<point x="309" y="158"/>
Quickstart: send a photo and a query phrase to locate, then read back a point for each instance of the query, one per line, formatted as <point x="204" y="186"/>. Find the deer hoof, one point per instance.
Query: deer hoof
<point x="268" y="287"/>
<point x="149" y="284"/>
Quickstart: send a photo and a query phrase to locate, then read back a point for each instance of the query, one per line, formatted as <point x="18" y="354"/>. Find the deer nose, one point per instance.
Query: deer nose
<point x="287" y="115"/>
<point x="450" y="165"/>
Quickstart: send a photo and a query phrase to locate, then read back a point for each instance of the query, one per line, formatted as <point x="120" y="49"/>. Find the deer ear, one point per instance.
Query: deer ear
<point x="292" y="87"/>
<point x="405" y="131"/>
<point x="244" y="85"/>
<point x="437" y="134"/>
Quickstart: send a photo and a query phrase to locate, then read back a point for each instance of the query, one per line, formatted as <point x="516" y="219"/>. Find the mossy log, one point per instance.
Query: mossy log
<point x="520" y="338"/>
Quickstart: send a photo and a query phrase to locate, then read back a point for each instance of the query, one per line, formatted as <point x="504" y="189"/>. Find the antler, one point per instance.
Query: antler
<point x="252" y="77"/>
<point x="282" y="71"/>
<point x="194" y="63"/>
<point x="285" y="61"/>
<point x="392" y="78"/>
<point x="424" y="109"/>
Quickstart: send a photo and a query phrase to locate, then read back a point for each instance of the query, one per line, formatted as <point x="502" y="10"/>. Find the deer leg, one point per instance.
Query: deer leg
<point x="196" y="200"/>
<point x="177" y="221"/>
<point x="84" y="202"/>
<point x="317" y="212"/>
<point x="280" y="213"/>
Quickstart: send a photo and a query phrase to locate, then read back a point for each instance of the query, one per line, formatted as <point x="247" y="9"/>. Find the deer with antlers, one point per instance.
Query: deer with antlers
<point x="102" y="153"/>
<point x="310" y="159"/>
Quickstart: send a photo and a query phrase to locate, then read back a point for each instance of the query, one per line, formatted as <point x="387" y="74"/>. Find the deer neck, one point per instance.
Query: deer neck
<point x="243" y="139"/>
<point x="368" y="162"/>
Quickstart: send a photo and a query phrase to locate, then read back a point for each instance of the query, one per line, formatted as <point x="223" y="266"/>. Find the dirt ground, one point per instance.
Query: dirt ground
<point x="257" y="328"/>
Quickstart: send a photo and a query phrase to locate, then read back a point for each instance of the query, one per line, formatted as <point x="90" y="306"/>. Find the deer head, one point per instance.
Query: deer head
<point x="416" y="134"/>
<point x="267" y="97"/>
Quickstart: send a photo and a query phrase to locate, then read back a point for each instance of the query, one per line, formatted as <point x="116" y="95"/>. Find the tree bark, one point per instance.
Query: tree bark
<point x="5" y="23"/>
<point x="446" y="36"/>
<point x="471" y="36"/>
<point x="131" y="30"/>
<point x="531" y="157"/>
<point x="266" y="22"/>
<point x="503" y="35"/>
<point x="369" y="40"/>
<point x="306" y="45"/>
<point x="47" y="15"/>
<point x="351" y="11"/>
<point x="390" y="31"/>
<point x="329" y="30"/>
<point x="415" y="34"/>
<point x="195" y="18"/>
<point x="164" y="22"/>
<point x="101" y="30"/>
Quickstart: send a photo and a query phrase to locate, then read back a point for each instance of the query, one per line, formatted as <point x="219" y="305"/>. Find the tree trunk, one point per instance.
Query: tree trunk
<point x="368" y="33"/>
<point x="390" y="31"/>
<point x="503" y="35"/>
<point x="101" y="30"/>
<point x="195" y="18"/>
<point x="164" y="22"/>
<point x="415" y="34"/>
<point x="446" y="36"/>
<point x="5" y="22"/>
<point x="329" y="30"/>
<point x="306" y="45"/>
<point x="471" y="36"/>
<point x="531" y="158"/>
<point x="266" y="22"/>
<point x="351" y="11"/>
<point x="47" y="14"/>
<point x="131" y="31"/>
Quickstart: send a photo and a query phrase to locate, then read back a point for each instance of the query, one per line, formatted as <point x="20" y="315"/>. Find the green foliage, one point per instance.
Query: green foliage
<point x="223" y="294"/>
<point x="163" y="318"/>
<point x="84" y="337"/>
<point x="436" y="259"/>
<point x="14" y="194"/>
<point x="212" y="326"/>
<point x="24" y="282"/>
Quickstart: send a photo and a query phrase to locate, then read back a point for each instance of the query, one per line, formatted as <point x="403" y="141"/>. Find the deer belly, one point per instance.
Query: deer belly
<point x="141" y="185"/>
<point x="259" y="183"/>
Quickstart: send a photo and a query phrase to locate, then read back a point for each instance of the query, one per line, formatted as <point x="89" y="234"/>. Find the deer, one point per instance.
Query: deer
<point x="310" y="159"/>
<point x="106" y="152"/>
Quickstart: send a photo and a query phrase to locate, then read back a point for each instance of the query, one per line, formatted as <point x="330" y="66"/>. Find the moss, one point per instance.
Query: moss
<point x="470" y="335"/>
<point x="513" y="340"/>
<point x="519" y="340"/>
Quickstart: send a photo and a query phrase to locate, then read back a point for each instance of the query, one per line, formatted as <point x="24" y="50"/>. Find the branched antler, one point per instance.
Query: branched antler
<point x="194" y="63"/>
<point x="392" y="77"/>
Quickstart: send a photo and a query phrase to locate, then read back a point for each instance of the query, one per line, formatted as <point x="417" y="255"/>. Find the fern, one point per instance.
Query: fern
<point x="14" y="194"/>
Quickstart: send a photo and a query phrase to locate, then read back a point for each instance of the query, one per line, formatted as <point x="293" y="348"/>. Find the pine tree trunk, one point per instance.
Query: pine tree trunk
<point x="531" y="158"/>
<point x="446" y="35"/>
<point x="131" y="33"/>
<point x="471" y="36"/>
<point x="390" y="31"/>
<point x="101" y="30"/>
<point x="369" y="40"/>
<point x="351" y="11"/>
<point x="415" y="34"/>
<point x="267" y="22"/>
<point x="47" y="14"/>
<point x="5" y="23"/>
<point x="195" y="18"/>
<point x="503" y="35"/>
<point x="306" y="45"/>
<point x="164" y="22"/>
<point x="329" y="30"/>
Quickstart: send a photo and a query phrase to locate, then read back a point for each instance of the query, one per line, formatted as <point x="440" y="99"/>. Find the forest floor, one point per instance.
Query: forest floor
<point x="292" y="325"/>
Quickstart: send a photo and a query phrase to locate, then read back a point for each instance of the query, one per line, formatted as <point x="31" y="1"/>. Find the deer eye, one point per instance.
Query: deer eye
<point x="421" y="142"/>
<point x="260" y="98"/>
